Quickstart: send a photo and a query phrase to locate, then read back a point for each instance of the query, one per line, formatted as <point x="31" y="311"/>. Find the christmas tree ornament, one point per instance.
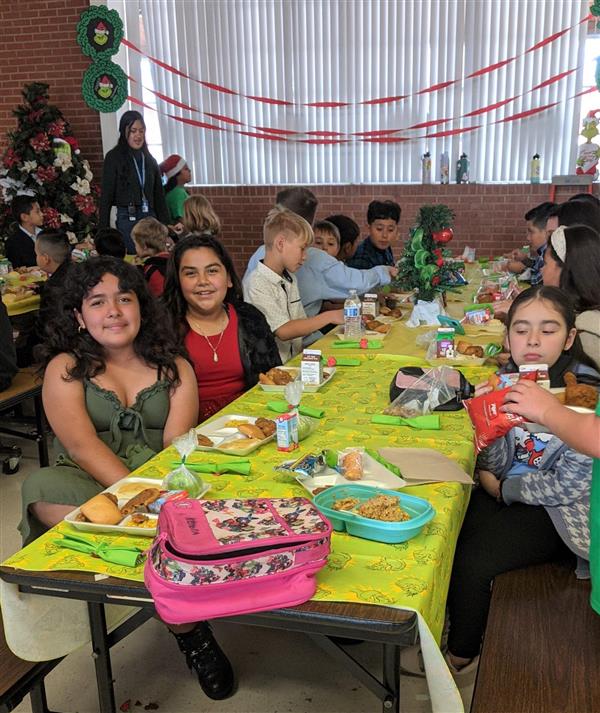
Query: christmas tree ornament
<point x="99" y="31"/>
<point x="588" y="153"/>
<point x="444" y="235"/>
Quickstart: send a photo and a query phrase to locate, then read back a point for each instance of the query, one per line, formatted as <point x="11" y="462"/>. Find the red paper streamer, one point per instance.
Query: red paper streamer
<point x="451" y="132"/>
<point x="379" y="101"/>
<point x="524" y="114"/>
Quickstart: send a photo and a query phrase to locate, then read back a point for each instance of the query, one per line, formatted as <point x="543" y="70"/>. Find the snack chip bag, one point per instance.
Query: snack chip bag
<point x="489" y="421"/>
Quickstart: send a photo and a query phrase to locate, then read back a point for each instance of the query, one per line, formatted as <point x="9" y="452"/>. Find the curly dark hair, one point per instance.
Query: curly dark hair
<point x="155" y="342"/>
<point x="172" y="296"/>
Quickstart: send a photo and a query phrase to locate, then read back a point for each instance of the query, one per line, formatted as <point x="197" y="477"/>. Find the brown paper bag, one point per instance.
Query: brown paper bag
<point x="425" y="465"/>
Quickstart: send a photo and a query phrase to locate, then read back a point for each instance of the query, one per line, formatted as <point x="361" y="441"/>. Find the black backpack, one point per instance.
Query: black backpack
<point x="154" y="264"/>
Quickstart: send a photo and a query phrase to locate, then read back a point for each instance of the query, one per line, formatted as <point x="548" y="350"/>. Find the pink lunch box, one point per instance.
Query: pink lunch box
<point x="216" y="558"/>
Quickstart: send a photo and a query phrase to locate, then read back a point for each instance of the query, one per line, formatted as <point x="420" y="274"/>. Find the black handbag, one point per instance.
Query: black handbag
<point x="406" y="377"/>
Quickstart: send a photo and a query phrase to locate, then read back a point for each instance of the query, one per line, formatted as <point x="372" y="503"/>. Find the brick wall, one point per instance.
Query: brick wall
<point x="488" y="217"/>
<point x="38" y="44"/>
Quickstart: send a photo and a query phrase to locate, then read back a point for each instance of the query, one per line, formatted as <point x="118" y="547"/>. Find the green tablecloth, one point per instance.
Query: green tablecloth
<point x="414" y="574"/>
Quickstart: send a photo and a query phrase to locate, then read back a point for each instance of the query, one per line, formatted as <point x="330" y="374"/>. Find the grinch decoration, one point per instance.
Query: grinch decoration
<point x="422" y="266"/>
<point x="588" y="153"/>
<point x="99" y="34"/>
<point x="43" y="159"/>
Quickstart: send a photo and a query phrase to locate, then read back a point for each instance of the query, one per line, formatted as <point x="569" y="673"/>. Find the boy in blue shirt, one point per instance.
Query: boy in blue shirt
<point x="383" y="218"/>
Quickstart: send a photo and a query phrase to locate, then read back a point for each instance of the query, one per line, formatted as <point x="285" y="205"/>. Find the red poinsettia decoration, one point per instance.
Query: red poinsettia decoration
<point x="439" y="262"/>
<point x="85" y="204"/>
<point x="35" y="116"/>
<point x="57" y="128"/>
<point x="40" y="142"/>
<point x="51" y="218"/>
<point x="435" y="280"/>
<point x="46" y="173"/>
<point x="11" y="158"/>
<point x="444" y="235"/>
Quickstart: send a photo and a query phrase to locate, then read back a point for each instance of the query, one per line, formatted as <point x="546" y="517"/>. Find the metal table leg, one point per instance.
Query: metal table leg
<point x="41" y="432"/>
<point x="101" y="655"/>
<point x="391" y="677"/>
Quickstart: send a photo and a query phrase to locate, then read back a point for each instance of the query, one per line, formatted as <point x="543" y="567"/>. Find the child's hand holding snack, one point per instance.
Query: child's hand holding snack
<point x="529" y="400"/>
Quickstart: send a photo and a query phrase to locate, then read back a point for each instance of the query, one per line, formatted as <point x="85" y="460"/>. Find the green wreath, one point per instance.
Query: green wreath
<point x="99" y="31"/>
<point x="104" y="86"/>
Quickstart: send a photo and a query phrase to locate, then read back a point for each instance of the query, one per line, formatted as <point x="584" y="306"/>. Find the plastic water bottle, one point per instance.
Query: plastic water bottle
<point x="352" y="318"/>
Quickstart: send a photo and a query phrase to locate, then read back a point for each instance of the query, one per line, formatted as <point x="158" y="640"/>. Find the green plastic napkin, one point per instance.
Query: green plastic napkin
<point x="241" y="467"/>
<point x="345" y="361"/>
<point x="385" y="463"/>
<point x="126" y="556"/>
<point x="371" y="344"/>
<point x="283" y="407"/>
<point x="431" y="422"/>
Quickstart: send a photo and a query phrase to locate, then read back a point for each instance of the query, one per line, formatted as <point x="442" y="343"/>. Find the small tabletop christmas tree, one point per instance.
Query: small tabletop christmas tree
<point x="422" y="266"/>
<point x="43" y="158"/>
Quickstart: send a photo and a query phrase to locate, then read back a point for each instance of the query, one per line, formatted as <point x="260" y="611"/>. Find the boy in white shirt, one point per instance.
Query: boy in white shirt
<point x="273" y="288"/>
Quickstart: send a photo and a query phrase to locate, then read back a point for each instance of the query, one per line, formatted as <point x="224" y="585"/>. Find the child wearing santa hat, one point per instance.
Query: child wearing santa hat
<point x="176" y="171"/>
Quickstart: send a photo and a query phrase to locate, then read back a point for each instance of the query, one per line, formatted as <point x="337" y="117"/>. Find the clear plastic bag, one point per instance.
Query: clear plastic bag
<point x="181" y="478"/>
<point x="436" y="387"/>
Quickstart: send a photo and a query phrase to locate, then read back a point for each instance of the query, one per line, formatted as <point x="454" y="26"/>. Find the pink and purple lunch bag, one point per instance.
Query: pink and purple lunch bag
<point x="215" y="558"/>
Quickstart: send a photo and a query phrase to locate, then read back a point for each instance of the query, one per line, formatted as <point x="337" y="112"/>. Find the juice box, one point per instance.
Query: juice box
<point x="445" y="342"/>
<point x="311" y="367"/>
<point x="287" y="432"/>
<point x="542" y="376"/>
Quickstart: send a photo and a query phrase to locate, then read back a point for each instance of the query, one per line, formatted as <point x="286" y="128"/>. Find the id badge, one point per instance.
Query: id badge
<point x="131" y="212"/>
<point x="145" y="207"/>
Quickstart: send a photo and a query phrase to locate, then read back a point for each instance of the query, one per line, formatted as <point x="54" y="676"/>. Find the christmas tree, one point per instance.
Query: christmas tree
<point x="43" y="159"/>
<point x="422" y="265"/>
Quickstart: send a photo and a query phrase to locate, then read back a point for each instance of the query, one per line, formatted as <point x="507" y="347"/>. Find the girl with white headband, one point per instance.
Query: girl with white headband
<point x="572" y="262"/>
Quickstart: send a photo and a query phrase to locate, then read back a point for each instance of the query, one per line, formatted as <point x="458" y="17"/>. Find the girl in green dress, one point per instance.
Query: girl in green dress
<point x="116" y="391"/>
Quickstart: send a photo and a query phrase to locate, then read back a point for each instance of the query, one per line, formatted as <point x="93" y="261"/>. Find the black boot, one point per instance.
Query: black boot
<point x="204" y="656"/>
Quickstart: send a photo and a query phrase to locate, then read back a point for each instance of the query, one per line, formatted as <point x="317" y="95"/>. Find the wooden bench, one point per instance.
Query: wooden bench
<point x="18" y="678"/>
<point x="27" y="385"/>
<point x="541" y="650"/>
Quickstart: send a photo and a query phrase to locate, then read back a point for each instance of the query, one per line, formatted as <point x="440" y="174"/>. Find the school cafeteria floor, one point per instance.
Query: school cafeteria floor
<point x="278" y="672"/>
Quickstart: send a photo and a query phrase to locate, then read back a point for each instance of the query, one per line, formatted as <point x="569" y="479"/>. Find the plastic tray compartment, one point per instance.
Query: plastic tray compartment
<point x="420" y="510"/>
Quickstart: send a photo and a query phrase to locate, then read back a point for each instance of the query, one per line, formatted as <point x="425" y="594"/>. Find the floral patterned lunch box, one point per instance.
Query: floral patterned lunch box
<point x="215" y="558"/>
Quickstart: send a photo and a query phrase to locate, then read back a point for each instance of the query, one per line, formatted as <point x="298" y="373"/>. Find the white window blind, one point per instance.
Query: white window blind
<point x="355" y="51"/>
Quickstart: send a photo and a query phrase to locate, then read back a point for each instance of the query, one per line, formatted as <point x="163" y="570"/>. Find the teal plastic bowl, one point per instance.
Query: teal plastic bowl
<point x="420" y="511"/>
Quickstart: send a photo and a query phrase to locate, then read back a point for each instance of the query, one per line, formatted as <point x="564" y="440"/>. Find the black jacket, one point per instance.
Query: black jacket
<point x="258" y="350"/>
<point x="121" y="186"/>
<point x="20" y="249"/>
<point x="8" y="357"/>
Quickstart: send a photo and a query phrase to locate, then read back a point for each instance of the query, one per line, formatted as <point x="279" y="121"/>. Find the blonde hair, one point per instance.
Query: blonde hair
<point x="151" y="235"/>
<point x="199" y="216"/>
<point x="281" y="221"/>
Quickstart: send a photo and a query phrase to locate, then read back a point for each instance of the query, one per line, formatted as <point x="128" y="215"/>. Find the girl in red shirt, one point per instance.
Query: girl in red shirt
<point x="228" y="341"/>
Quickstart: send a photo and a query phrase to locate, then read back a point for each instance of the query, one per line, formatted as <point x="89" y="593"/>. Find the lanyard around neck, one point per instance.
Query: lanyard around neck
<point x="141" y="175"/>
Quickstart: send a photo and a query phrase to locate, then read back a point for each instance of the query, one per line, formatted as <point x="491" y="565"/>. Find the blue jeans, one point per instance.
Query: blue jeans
<point x="124" y="224"/>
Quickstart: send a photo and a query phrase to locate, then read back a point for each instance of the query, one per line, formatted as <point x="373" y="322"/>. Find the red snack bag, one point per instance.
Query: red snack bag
<point x="489" y="422"/>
